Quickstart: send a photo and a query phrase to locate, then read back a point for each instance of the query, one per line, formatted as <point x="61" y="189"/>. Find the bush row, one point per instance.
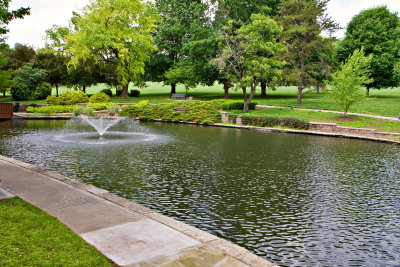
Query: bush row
<point x="271" y="121"/>
<point x="237" y="105"/>
<point x="200" y="112"/>
<point x="66" y="108"/>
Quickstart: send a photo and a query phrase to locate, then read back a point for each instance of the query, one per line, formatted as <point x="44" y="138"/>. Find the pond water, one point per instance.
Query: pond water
<point x="292" y="199"/>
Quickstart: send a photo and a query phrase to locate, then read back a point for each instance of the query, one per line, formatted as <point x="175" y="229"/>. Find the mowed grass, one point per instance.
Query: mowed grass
<point x="385" y="102"/>
<point x="30" y="237"/>
<point x="326" y="117"/>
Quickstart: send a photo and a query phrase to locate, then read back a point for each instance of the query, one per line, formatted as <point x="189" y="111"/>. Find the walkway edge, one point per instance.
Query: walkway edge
<point x="228" y="248"/>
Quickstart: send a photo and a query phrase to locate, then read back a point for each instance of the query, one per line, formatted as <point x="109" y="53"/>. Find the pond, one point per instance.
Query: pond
<point x="292" y="199"/>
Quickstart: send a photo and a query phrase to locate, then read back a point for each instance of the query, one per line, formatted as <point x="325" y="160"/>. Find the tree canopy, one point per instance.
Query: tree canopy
<point x="378" y="31"/>
<point x="115" y="31"/>
<point x="6" y="16"/>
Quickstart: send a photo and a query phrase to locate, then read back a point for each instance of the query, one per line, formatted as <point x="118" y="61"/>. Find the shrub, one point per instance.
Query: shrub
<point x="134" y="93"/>
<point x="99" y="98"/>
<point x="99" y="106"/>
<point x="113" y="109"/>
<point x="88" y="111"/>
<point x="51" y="109"/>
<point x="271" y="121"/>
<point x="200" y="112"/>
<point x="78" y="111"/>
<point x="118" y="91"/>
<point x="53" y="100"/>
<point x="69" y="98"/>
<point x="42" y="91"/>
<point x="237" y="105"/>
<point x="20" y="92"/>
<point x="107" y="91"/>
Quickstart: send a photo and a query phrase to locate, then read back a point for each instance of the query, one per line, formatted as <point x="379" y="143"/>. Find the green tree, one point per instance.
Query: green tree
<point x="348" y="81"/>
<point x="19" y="56"/>
<point x="303" y="21"/>
<point x="5" y="76"/>
<point x="115" y="31"/>
<point x="378" y="31"/>
<point x="250" y="54"/>
<point x="27" y="80"/>
<point x="7" y="16"/>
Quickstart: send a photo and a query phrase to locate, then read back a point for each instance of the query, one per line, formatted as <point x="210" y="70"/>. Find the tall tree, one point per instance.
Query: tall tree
<point x="115" y="31"/>
<point x="55" y="65"/>
<point x="250" y="53"/>
<point x="347" y="82"/>
<point x="378" y="31"/>
<point x="5" y="76"/>
<point x="180" y="20"/>
<point x="19" y="56"/>
<point x="303" y="21"/>
<point x="6" y="16"/>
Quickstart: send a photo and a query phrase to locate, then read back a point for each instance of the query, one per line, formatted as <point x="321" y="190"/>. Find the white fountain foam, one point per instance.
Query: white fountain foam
<point x="100" y="124"/>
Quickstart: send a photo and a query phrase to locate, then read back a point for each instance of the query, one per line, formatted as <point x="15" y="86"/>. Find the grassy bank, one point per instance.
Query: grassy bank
<point x="30" y="237"/>
<point x="383" y="102"/>
<point x="316" y="116"/>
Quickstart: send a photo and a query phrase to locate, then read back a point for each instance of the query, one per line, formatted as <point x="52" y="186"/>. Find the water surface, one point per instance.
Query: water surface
<point x="292" y="199"/>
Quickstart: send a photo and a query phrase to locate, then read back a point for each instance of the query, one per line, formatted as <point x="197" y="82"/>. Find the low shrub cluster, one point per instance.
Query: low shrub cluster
<point x="48" y="110"/>
<point x="113" y="109"/>
<point x="107" y="91"/>
<point x="200" y="112"/>
<point x="134" y="93"/>
<point x="68" y="98"/>
<point x="99" y="97"/>
<point x="237" y="105"/>
<point x="99" y="106"/>
<point x="271" y="121"/>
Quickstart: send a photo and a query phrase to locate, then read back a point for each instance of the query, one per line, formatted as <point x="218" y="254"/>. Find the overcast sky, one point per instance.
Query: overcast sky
<point x="45" y="13"/>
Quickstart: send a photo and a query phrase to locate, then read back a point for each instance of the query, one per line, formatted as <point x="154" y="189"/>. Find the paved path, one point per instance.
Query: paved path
<point x="127" y="233"/>
<point x="337" y="112"/>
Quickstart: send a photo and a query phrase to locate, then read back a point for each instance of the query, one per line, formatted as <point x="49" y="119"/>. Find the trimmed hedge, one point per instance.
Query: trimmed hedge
<point x="237" y="105"/>
<point x="51" y="109"/>
<point x="134" y="93"/>
<point x="99" y="98"/>
<point x="99" y="106"/>
<point x="68" y="98"/>
<point x="200" y="112"/>
<point x="107" y="91"/>
<point x="271" y="121"/>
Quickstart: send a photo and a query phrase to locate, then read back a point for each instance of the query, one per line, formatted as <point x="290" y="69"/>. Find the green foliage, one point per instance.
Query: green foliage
<point x="99" y="98"/>
<point x="53" y="100"/>
<point x="118" y="91"/>
<point x="28" y="234"/>
<point x="107" y="91"/>
<point x="237" y="105"/>
<point x="308" y="52"/>
<point x="42" y="91"/>
<point x="99" y="106"/>
<point x="272" y="121"/>
<point x="134" y="93"/>
<point x="88" y="111"/>
<point x="51" y="109"/>
<point x="7" y="16"/>
<point x="200" y="112"/>
<point x="78" y="111"/>
<point x="378" y="31"/>
<point x="250" y="54"/>
<point x="348" y="81"/>
<point x="5" y="76"/>
<point x="118" y="31"/>
<point x="27" y="79"/>
<point x="113" y="109"/>
<point x="19" y="56"/>
<point x="70" y="98"/>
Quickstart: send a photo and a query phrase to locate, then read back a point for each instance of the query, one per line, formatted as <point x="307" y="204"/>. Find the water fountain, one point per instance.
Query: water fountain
<point x="100" y="124"/>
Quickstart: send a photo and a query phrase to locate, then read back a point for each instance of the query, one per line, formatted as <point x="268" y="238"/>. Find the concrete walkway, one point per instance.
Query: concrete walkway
<point x="127" y="233"/>
<point x="337" y="112"/>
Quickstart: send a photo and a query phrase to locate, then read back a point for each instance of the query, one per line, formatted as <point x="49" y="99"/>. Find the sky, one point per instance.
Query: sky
<point x="46" y="13"/>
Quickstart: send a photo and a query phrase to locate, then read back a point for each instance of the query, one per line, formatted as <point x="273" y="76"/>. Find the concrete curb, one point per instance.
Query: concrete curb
<point x="226" y="247"/>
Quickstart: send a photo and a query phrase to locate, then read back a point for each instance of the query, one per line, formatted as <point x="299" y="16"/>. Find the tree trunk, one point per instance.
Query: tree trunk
<point x="226" y="89"/>
<point x="84" y="89"/>
<point x="124" y="92"/>
<point x="367" y="92"/>
<point x="4" y="93"/>
<point x="263" y="89"/>
<point x="56" y="89"/>
<point x="318" y="89"/>
<point x="173" y="88"/>
<point x="299" y="94"/>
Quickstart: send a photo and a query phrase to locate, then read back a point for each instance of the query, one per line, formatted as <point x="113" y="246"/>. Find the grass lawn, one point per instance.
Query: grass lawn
<point x="317" y="116"/>
<point x="385" y="102"/>
<point x="30" y="237"/>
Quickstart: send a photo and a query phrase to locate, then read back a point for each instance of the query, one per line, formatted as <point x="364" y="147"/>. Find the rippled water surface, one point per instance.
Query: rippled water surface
<point x="292" y="199"/>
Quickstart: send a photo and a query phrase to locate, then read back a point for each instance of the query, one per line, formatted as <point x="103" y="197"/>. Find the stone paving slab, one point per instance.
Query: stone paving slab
<point x="128" y="243"/>
<point x="95" y="216"/>
<point x="5" y="194"/>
